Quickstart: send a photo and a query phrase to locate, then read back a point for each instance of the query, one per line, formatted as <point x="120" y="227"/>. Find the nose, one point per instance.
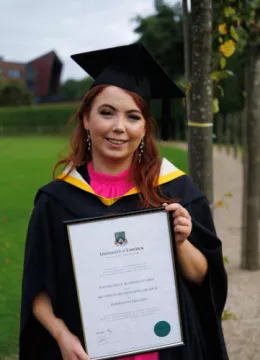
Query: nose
<point x="119" y="125"/>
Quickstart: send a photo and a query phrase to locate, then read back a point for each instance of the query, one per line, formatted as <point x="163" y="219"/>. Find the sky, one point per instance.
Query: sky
<point x="30" y="28"/>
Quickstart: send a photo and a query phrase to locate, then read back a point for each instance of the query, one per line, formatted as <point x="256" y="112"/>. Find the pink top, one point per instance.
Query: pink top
<point x="110" y="186"/>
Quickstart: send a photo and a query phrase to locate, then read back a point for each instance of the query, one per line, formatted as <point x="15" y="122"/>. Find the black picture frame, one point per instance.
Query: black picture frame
<point x="176" y="270"/>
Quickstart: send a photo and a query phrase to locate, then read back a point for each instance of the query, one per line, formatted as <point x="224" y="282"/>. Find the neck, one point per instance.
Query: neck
<point x="111" y="167"/>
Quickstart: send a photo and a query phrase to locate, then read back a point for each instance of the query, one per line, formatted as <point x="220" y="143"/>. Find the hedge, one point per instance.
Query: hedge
<point x="41" y="119"/>
<point x="52" y="119"/>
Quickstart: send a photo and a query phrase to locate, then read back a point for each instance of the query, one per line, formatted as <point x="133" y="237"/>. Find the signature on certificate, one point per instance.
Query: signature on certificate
<point x="104" y="336"/>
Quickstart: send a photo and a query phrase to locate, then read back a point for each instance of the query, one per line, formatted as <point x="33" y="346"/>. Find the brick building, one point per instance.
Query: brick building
<point x="41" y="75"/>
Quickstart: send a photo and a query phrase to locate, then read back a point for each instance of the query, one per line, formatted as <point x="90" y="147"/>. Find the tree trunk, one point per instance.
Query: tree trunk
<point x="201" y="115"/>
<point x="250" y="256"/>
<point x="187" y="56"/>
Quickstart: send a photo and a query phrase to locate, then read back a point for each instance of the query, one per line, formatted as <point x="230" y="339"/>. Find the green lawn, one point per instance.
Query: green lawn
<point x="26" y="164"/>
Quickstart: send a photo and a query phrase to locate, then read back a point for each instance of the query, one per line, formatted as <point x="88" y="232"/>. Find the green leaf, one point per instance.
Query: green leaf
<point x="219" y="75"/>
<point x="216" y="76"/>
<point x="223" y="62"/>
<point x="229" y="72"/>
<point x="226" y="260"/>
<point x="233" y="33"/>
<point x="227" y="315"/>
<point x="215" y="106"/>
<point x="229" y="11"/>
<point x="221" y="90"/>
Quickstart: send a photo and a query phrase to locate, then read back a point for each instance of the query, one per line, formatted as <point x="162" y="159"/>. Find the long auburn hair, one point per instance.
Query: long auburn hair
<point x="144" y="174"/>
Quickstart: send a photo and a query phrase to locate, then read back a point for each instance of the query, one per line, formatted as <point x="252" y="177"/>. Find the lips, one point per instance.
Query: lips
<point x="116" y="141"/>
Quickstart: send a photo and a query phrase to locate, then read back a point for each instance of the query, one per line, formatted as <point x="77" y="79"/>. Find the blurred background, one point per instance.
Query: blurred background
<point x="35" y="66"/>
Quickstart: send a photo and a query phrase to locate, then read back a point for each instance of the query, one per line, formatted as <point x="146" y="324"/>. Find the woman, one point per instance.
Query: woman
<point x="114" y="167"/>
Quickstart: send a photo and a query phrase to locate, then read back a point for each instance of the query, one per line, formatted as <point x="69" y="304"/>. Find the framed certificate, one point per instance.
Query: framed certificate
<point x="127" y="283"/>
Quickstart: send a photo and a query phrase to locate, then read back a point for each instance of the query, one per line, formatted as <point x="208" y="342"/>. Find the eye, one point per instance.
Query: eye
<point x="134" y="117"/>
<point x="106" y="112"/>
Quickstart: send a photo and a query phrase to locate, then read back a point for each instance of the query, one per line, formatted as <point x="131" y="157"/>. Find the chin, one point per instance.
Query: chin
<point x="120" y="156"/>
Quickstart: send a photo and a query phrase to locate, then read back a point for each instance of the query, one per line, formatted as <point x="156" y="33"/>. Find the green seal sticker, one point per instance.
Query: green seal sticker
<point x="162" y="328"/>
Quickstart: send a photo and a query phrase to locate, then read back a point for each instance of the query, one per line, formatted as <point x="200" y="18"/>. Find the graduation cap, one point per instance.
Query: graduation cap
<point x="130" y="67"/>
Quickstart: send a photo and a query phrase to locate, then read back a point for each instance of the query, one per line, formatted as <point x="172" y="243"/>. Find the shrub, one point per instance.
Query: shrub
<point x="14" y="93"/>
<point x="37" y="119"/>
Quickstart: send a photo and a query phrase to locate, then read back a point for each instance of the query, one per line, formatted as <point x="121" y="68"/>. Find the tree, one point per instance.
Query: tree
<point x="162" y="33"/>
<point x="187" y="53"/>
<point x="201" y="115"/>
<point x="251" y="193"/>
<point x="241" y="29"/>
<point x="250" y="250"/>
<point x="14" y="93"/>
<point x="187" y="43"/>
<point x="75" y="89"/>
<point x="228" y="57"/>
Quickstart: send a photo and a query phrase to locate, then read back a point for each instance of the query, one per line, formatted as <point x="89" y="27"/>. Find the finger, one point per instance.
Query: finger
<point x="82" y="355"/>
<point x="181" y="212"/>
<point x="73" y="357"/>
<point x="184" y="230"/>
<point x="172" y="207"/>
<point x="182" y="221"/>
<point x="178" y="210"/>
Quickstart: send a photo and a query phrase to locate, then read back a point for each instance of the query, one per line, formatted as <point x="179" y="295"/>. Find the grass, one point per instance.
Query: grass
<point x="177" y="156"/>
<point x="26" y="164"/>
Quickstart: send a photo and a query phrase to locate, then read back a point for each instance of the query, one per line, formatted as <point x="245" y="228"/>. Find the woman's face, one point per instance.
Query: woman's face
<point x="116" y="126"/>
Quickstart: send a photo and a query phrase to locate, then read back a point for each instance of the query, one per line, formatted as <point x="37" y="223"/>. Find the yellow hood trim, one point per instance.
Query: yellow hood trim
<point x="75" y="179"/>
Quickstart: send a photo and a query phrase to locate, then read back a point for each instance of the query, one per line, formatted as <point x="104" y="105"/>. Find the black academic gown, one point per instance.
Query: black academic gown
<point x="48" y="266"/>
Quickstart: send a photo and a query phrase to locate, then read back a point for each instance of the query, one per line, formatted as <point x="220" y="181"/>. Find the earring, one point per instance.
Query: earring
<point x="141" y="150"/>
<point x="88" y="140"/>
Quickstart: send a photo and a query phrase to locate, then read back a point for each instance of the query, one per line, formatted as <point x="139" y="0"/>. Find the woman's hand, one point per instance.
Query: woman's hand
<point x="193" y="263"/>
<point x="70" y="347"/>
<point x="181" y="222"/>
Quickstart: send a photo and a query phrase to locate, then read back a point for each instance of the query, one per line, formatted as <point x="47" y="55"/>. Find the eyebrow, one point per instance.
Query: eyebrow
<point x="114" y="109"/>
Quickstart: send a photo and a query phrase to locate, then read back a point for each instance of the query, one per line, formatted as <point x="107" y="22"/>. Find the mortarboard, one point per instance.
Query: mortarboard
<point x="130" y="67"/>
